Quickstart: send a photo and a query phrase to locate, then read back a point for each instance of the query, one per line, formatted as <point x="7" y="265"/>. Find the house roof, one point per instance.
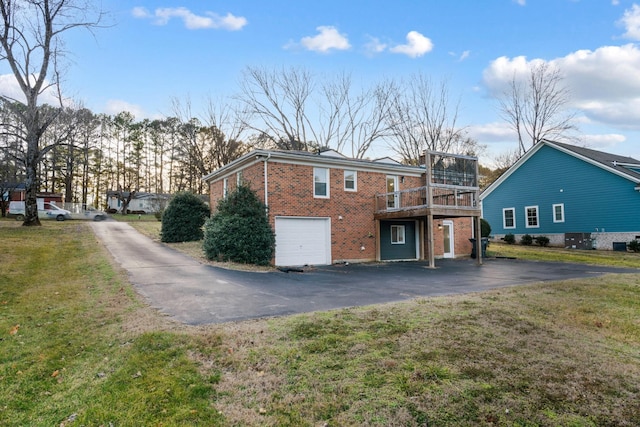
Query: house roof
<point x="624" y="166"/>
<point x="328" y="159"/>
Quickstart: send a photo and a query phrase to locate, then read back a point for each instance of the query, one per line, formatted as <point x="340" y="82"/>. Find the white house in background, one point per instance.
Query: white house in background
<point x="146" y="203"/>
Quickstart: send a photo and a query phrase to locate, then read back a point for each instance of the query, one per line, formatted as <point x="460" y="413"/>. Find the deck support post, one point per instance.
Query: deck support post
<point x="430" y="245"/>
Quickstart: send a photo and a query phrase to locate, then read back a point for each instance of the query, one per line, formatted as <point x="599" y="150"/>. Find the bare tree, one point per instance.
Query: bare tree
<point x="291" y="110"/>
<point x="354" y="122"/>
<point x="422" y="118"/>
<point x="31" y="43"/>
<point x="276" y="104"/>
<point x="537" y="108"/>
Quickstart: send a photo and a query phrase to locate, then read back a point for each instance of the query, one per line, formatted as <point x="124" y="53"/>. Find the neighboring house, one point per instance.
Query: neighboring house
<point x="577" y="197"/>
<point x="326" y="208"/>
<point x="140" y="203"/>
<point x="18" y="192"/>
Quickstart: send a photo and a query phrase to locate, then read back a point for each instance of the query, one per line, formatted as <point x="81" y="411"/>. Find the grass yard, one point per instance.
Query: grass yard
<point x="79" y="347"/>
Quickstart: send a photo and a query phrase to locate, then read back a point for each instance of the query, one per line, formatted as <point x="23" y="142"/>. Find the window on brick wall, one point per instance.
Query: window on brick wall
<point x="321" y="182"/>
<point x="225" y="187"/>
<point x="239" y="178"/>
<point x="350" y="180"/>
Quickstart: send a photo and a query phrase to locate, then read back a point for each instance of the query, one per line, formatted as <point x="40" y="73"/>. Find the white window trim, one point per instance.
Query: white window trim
<point x="504" y="218"/>
<point x="225" y="187"/>
<point x="239" y="178"/>
<point x="561" y="212"/>
<point x="355" y="180"/>
<point x="321" y="196"/>
<point x="401" y="232"/>
<point x="526" y="217"/>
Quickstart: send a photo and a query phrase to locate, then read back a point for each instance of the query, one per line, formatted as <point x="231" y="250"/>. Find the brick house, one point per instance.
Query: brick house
<point x="326" y="208"/>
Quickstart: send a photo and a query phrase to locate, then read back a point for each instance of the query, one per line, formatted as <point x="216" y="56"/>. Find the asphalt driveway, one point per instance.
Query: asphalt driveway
<point x="195" y="293"/>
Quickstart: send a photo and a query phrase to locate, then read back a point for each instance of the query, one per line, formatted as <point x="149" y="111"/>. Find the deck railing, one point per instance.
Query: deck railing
<point x="442" y="196"/>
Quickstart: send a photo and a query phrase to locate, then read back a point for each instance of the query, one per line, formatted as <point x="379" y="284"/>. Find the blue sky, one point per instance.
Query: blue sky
<point x="154" y="51"/>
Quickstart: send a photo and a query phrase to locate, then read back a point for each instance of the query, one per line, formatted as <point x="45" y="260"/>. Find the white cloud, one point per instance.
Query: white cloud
<point x="327" y="39"/>
<point x="417" y="45"/>
<point x="140" y="12"/>
<point x="116" y="106"/>
<point x="493" y="132"/>
<point x="9" y="87"/>
<point x="603" y="142"/>
<point x="192" y="21"/>
<point x="521" y="2"/>
<point x="374" y="46"/>
<point x="631" y="22"/>
<point x="604" y="84"/>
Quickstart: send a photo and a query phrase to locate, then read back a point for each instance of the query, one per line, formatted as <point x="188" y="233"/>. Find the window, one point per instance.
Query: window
<point x="320" y="182"/>
<point x="239" y="179"/>
<point x="225" y="187"/>
<point x="531" y="213"/>
<point x="393" y="197"/>
<point x="558" y="212"/>
<point x="509" y="218"/>
<point x="397" y="234"/>
<point x="350" y="181"/>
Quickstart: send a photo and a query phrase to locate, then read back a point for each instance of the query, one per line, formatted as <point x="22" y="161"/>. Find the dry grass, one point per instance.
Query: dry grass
<point x="565" y="353"/>
<point x="551" y="354"/>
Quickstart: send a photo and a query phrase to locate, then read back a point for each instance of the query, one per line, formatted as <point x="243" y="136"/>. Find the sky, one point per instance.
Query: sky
<point x="151" y="52"/>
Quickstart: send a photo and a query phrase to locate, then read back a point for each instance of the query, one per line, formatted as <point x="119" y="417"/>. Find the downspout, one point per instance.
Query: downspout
<point x="266" y="181"/>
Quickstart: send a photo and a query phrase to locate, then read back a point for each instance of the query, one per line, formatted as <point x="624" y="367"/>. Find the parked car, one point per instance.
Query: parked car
<point x="92" y="214"/>
<point x="46" y="210"/>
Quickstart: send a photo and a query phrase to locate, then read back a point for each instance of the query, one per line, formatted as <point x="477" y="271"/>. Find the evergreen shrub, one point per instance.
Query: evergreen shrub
<point x="485" y="228"/>
<point x="526" y="240"/>
<point x="510" y="238"/>
<point x="542" y="241"/>
<point x="239" y="230"/>
<point x="183" y="219"/>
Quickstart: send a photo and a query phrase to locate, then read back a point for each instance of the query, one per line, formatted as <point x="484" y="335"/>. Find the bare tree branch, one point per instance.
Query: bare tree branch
<point x="537" y="108"/>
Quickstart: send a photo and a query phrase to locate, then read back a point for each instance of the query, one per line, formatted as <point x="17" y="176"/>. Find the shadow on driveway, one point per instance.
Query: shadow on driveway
<point x="195" y="293"/>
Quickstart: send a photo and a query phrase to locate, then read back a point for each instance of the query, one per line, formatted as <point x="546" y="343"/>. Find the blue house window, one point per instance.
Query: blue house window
<point x="531" y="213"/>
<point x="558" y="212"/>
<point x="509" y="218"/>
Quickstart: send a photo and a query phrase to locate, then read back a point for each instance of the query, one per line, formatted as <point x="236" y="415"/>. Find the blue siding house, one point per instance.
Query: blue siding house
<point x="577" y="197"/>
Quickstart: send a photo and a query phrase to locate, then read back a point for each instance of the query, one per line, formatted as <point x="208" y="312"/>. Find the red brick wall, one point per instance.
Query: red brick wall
<point x="352" y="213"/>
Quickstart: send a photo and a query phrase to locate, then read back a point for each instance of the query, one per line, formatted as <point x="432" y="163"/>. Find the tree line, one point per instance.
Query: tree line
<point x="72" y="150"/>
<point x="85" y="154"/>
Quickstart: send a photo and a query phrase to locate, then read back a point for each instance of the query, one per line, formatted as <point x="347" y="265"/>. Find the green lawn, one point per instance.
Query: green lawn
<point x="79" y="347"/>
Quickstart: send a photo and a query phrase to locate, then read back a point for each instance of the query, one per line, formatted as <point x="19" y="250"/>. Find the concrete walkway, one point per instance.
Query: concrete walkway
<point x="195" y="293"/>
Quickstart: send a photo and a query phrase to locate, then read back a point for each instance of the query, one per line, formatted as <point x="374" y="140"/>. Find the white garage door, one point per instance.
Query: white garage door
<point x="303" y="241"/>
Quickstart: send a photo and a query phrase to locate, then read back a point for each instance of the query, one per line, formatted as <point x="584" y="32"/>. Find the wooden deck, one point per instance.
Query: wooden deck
<point x="437" y="200"/>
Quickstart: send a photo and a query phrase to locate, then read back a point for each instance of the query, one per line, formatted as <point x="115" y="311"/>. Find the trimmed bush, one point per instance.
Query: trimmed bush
<point x="510" y="238"/>
<point x="526" y="240"/>
<point x="239" y="231"/>
<point x="485" y="228"/>
<point x="183" y="219"/>
<point x="542" y="241"/>
<point x="634" y="245"/>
